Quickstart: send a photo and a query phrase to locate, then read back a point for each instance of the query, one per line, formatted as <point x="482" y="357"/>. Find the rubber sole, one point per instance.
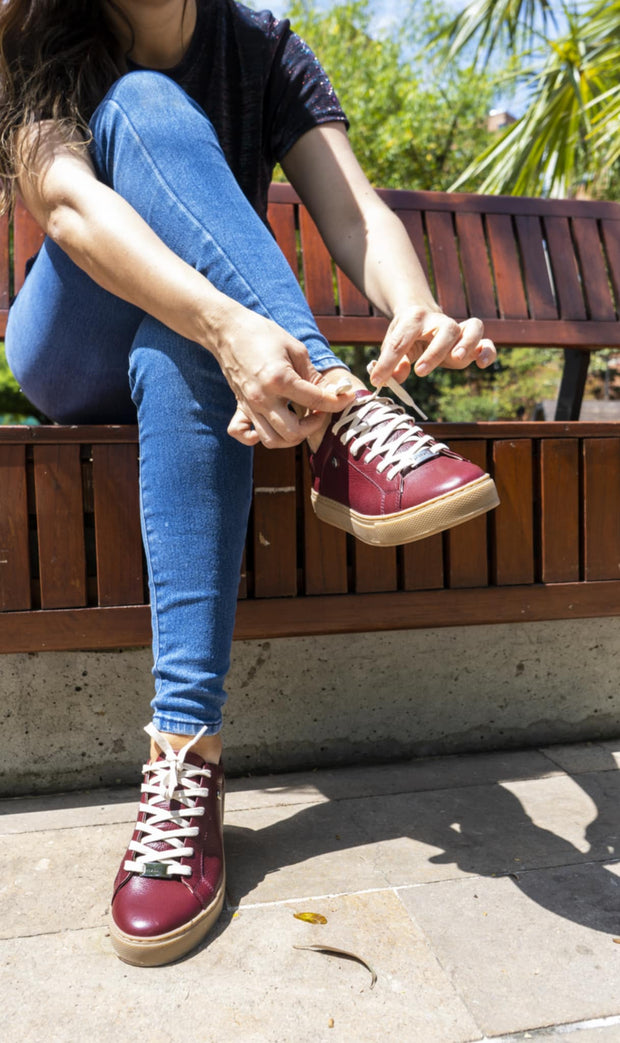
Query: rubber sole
<point x="389" y="530"/>
<point x="166" y="948"/>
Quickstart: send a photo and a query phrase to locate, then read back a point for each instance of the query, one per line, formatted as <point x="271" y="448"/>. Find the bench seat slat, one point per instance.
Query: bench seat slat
<point x="601" y="483"/>
<point x="467" y="544"/>
<point x="60" y="526"/>
<point x="512" y="521"/>
<point x="14" y="557"/>
<point x="117" y="525"/>
<point x="559" y="510"/>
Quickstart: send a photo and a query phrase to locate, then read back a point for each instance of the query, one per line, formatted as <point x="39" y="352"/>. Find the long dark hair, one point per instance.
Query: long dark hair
<point x="57" y="60"/>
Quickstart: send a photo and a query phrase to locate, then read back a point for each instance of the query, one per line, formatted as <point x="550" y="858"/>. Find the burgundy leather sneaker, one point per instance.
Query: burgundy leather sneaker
<point x="169" y="890"/>
<point x="377" y="475"/>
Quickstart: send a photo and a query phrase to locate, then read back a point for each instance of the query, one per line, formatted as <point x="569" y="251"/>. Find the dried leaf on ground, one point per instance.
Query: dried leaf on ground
<point x="332" y="950"/>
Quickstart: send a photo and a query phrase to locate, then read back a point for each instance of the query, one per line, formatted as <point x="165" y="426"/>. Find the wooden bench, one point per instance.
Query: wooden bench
<point x="539" y="273"/>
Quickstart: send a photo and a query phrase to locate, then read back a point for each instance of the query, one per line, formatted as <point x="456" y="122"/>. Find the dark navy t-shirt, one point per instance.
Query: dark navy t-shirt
<point x="259" y="84"/>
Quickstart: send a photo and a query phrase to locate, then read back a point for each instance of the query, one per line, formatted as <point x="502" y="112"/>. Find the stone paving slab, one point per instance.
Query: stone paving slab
<point x="248" y="984"/>
<point x="107" y="806"/>
<point x="529" y="952"/>
<point x="585" y="756"/>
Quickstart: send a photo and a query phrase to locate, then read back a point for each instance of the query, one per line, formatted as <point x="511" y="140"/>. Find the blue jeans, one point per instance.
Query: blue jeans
<point x="83" y="355"/>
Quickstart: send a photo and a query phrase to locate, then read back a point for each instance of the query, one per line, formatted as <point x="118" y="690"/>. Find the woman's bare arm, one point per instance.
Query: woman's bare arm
<point x="371" y="245"/>
<point x="265" y="367"/>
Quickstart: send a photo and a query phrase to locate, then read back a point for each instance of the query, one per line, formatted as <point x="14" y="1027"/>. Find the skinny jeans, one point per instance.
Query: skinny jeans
<point x="83" y="355"/>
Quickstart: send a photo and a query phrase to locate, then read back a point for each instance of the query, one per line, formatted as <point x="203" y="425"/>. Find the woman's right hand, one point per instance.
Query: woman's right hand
<point x="269" y="371"/>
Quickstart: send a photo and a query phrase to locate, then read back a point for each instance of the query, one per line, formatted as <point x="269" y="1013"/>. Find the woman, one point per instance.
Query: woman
<point x="141" y="135"/>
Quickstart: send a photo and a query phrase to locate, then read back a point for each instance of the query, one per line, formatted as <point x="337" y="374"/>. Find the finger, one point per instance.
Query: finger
<point x="445" y="337"/>
<point x="464" y="352"/>
<point x="242" y="429"/>
<point x="486" y="353"/>
<point x="399" y="341"/>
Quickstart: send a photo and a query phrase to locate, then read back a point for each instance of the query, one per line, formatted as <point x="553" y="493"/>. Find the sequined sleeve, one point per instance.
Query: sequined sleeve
<point x="299" y="97"/>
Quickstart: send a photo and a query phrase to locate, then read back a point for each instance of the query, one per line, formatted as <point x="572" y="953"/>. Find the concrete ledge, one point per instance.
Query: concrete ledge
<point x="74" y="719"/>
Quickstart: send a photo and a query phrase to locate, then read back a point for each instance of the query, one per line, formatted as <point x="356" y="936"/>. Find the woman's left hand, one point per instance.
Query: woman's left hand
<point x="425" y="339"/>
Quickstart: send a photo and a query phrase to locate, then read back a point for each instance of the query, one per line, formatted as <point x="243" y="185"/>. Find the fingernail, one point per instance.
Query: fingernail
<point x="459" y="353"/>
<point x="421" y="368"/>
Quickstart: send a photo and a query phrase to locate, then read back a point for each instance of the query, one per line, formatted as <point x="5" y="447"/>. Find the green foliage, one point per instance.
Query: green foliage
<point x="14" y="406"/>
<point x="567" y="140"/>
<point x="413" y="124"/>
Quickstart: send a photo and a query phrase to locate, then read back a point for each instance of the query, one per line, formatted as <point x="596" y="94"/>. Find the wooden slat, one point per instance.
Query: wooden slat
<point x="422" y="564"/>
<point x="508" y="332"/>
<point x="282" y="220"/>
<point x="325" y="549"/>
<point x="427" y="609"/>
<point x="512" y="521"/>
<point x="610" y="234"/>
<point x="412" y="221"/>
<point x="352" y="302"/>
<point x="275" y="522"/>
<point x="14" y="562"/>
<point x="593" y="270"/>
<point x="540" y="296"/>
<point x="117" y="525"/>
<point x="28" y="237"/>
<point x="100" y="628"/>
<point x="601" y="490"/>
<point x="60" y="525"/>
<point x="448" y="282"/>
<point x="4" y="263"/>
<point x="467" y="544"/>
<point x="243" y="578"/>
<point x="507" y="267"/>
<point x="559" y="510"/>
<point x="475" y="264"/>
<point x="565" y="270"/>
<point x="374" y="568"/>
<point x="317" y="265"/>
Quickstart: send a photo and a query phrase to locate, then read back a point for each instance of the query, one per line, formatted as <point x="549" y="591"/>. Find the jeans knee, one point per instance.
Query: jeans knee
<point x="148" y="106"/>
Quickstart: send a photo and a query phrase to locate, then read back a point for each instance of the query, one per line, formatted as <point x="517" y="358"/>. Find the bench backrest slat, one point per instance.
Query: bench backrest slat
<point x="538" y="271"/>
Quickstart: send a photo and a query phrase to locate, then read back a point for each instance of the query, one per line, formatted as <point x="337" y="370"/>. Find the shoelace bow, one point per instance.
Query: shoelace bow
<point x="387" y="430"/>
<point x="168" y="779"/>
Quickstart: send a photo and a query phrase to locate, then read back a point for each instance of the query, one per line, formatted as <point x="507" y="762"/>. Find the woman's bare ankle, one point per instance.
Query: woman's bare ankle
<point x="209" y="747"/>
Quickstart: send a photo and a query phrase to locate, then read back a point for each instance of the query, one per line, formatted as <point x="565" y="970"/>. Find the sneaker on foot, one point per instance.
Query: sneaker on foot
<point x="377" y="475"/>
<point x="169" y="890"/>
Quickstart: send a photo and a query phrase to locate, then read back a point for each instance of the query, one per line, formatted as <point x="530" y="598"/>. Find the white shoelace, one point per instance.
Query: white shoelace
<point x="169" y="779"/>
<point x="400" y="442"/>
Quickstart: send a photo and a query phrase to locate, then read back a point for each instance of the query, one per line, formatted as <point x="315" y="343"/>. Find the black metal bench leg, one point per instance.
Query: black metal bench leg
<point x="573" y="383"/>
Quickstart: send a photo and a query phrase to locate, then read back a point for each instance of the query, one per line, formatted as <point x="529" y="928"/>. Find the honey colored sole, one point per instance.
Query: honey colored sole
<point x="390" y="530"/>
<point x="166" y="948"/>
